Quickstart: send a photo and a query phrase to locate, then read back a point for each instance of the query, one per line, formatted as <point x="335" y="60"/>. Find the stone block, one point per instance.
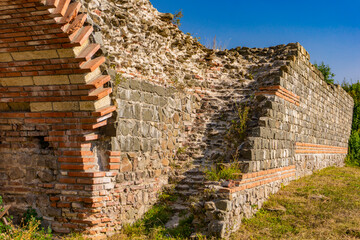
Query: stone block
<point x="148" y="98"/>
<point x="218" y="228"/>
<point x="165" y="162"/>
<point x="104" y="102"/>
<point x="136" y="111"/>
<point x="224" y="205"/>
<point x="4" y="107"/>
<point x="209" y="205"/>
<point x="135" y="144"/>
<point x="51" y="80"/>
<point x="134" y="84"/>
<point x="5" y="57"/>
<point x="92" y="75"/>
<point x="19" y="106"/>
<point x="16" y="173"/>
<point x="147" y="115"/>
<point x="16" y="81"/>
<point x="78" y="50"/>
<point x="46" y="176"/>
<point x="126" y="165"/>
<point x="94" y="105"/>
<point x="161" y="91"/>
<point x="77" y="78"/>
<point x="66" y="53"/>
<point x="147" y="87"/>
<point x="32" y="55"/>
<point x="145" y="146"/>
<point x="135" y="96"/>
<point x="41" y="107"/>
<point x="66" y="106"/>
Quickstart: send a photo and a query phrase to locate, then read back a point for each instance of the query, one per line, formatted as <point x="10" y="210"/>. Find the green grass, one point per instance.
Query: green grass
<point x="223" y="173"/>
<point x="325" y="205"/>
<point x="152" y="226"/>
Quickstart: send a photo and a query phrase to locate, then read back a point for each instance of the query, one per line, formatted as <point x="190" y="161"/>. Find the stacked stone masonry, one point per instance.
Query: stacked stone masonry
<point x="105" y="103"/>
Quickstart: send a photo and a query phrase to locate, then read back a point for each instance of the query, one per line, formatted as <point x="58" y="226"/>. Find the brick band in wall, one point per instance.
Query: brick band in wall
<point x="280" y="92"/>
<point x="252" y="180"/>
<point x="308" y="148"/>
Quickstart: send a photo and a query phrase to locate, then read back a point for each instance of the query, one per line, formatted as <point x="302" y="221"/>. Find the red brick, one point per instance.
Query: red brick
<point x="67" y="180"/>
<point x="74" y="145"/>
<point x="114" y="159"/>
<point x="57" y="133"/>
<point x="88" y="222"/>
<point x="54" y="199"/>
<point x="12" y="115"/>
<point x="41" y="120"/>
<point x="75" y="159"/>
<point x="114" y="166"/>
<point x="63" y="205"/>
<point x="56" y="139"/>
<point x="54" y="120"/>
<point x="87" y="174"/>
<point x="78" y="153"/>
<point x="114" y="153"/>
<point x="76" y="167"/>
<point x="56" y="114"/>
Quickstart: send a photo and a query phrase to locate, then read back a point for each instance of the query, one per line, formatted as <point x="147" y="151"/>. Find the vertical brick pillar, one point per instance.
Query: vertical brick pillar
<point x="49" y="78"/>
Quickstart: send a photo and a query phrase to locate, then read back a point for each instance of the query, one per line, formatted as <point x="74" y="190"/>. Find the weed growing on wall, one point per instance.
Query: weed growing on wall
<point x="216" y="45"/>
<point x="30" y="229"/>
<point x="237" y="131"/>
<point x="4" y="228"/>
<point x="180" y="86"/>
<point x="234" y="136"/>
<point x="119" y="78"/>
<point x="177" y="17"/>
<point x="353" y="157"/>
<point x="29" y="215"/>
<point x="326" y="71"/>
<point x="181" y="150"/>
<point x="222" y="173"/>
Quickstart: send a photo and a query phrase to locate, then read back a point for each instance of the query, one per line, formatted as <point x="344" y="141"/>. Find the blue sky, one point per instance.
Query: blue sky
<point x="329" y="30"/>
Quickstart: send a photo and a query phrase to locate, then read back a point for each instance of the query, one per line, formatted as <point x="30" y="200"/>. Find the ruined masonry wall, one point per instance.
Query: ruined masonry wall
<point x="305" y="127"/>
<point x="103" y="103"/>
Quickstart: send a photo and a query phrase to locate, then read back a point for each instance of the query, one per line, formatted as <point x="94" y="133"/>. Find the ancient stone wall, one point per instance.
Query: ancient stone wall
<point x="304" y="126"/>
<point x="103" y="103"/>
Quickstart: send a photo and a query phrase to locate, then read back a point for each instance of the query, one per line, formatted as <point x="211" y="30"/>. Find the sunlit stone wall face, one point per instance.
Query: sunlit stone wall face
<point x="103" y="103"/>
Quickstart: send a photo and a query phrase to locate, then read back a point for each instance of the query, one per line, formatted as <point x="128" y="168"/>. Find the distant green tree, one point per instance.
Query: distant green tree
<point x="353" y="157"/>
<point x="326" y="71"/>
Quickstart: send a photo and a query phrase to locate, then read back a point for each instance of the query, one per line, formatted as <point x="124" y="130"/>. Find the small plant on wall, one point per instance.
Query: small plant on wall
<point x="234" y="137"/>
<point x="119" y="78"/>
<point x="237" y="131"/>
<point x="177" y="17"/>
<point x="222" y="172"/>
